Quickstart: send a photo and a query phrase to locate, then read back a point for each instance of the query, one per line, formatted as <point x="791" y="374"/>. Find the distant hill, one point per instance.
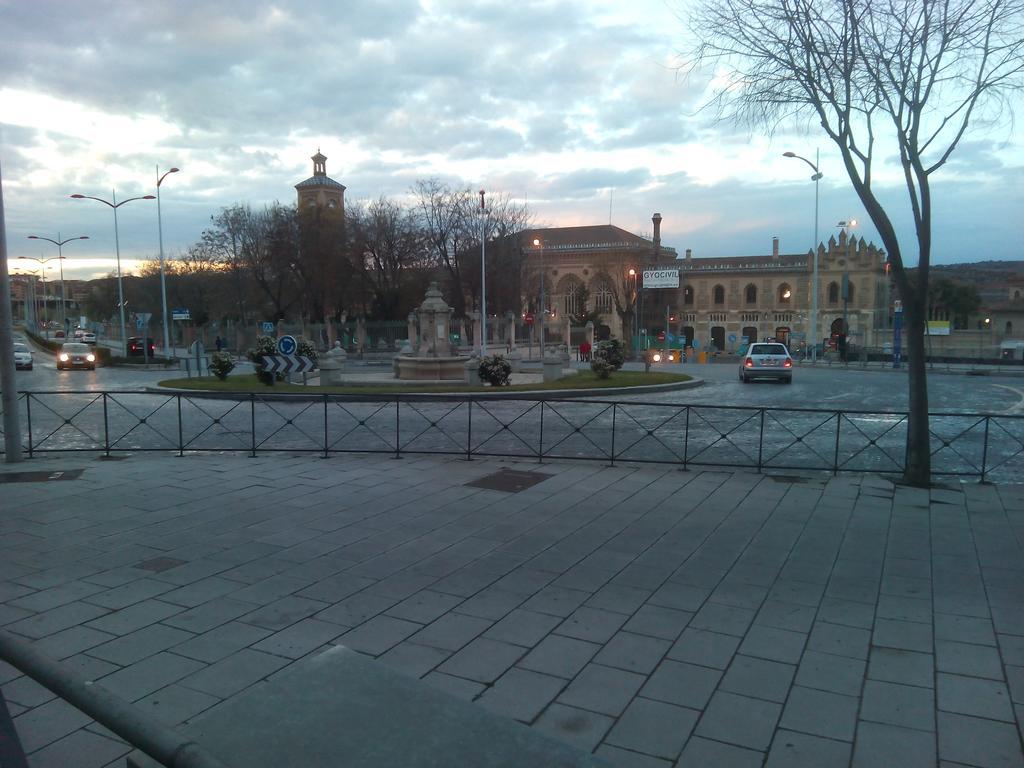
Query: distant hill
<point x="980" y="272"/>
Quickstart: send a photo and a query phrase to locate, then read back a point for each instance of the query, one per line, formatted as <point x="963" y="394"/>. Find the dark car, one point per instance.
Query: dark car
<point x="76" y="355"/>
<point x="135" y="348"/>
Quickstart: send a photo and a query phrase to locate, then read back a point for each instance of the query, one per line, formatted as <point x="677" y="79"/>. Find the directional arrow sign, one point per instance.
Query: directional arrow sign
<point x="287" y="364"/>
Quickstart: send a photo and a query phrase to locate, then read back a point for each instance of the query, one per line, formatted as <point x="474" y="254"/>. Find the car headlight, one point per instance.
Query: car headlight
<point x="657" y="357"/>
<point x="91" y="358"/>
<point x="63" y="357"/>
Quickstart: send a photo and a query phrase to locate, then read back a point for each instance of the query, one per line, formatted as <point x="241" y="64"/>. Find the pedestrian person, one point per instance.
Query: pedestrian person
<point x="218" y="343"/>
<point x="585" y="351"/>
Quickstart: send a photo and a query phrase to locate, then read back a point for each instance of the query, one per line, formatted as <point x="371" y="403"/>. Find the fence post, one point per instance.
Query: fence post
<point x="614" y="409"/>
<point x="252" y="421"/>
<point x="469" y="430"/>
<point x="760" y="443"/>
<point x="398" y="430"/>
<point x="540" y="444"/>
<point x="686" y="438"/>
<point x="181" y="438"/>
<point x="984" y="450"/>
<point x="325" y="425"/>
<point x="28" y="418"/>
<point x="106" y="427"/>
<point x="835" y="460"/>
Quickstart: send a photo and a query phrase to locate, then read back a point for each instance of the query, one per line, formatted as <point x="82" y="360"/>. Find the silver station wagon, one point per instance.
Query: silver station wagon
<point x="768" y="360"/>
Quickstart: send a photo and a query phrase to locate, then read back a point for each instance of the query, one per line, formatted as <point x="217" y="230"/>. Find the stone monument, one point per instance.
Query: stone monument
<point x="432" y="357"/>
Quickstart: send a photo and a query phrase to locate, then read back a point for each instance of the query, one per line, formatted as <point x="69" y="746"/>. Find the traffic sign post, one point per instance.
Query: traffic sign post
<point x="274" y="364"/>
<point x="287" y="345"/>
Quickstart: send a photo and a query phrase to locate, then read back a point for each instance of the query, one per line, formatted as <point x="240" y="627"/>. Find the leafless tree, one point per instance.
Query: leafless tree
<point x="882" y="78"/>
<point x="445" y="217"/>
<point x="392" y="248"/>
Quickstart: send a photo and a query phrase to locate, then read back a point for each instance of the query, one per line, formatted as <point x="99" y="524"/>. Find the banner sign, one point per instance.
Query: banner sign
<point x="661" y="278"/>
<point x="937" y="328"/>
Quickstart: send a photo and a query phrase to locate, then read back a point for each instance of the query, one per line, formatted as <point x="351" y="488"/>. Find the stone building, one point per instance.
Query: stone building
<point x="719" y="300"/>
<point x="320" y="189"/>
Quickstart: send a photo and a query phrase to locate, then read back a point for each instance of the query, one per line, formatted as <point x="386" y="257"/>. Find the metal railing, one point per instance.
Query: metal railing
<point x="986" y="446"/>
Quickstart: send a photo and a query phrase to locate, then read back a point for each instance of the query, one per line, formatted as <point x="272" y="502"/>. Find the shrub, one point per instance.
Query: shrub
<point x="601" y="367"/>
<point x="265" y="345"/>
<point x="305" y="348"/>
<point x="612" y="353"/>
<point x="221" y="364"/>
<point x="495" y="370"/>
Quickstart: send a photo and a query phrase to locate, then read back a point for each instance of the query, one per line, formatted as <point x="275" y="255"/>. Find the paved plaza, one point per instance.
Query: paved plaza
<point x="654" y="616"/>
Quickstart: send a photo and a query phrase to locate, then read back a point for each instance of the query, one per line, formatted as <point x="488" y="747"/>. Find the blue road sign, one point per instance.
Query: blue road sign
<point x="732" y="337"/>
<point x="696" y="343"/>
<point x="287" y="345"/>
<point x="267" y="327"/>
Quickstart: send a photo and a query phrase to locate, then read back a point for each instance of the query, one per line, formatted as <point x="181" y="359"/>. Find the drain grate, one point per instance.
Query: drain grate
<point x="509" y="480"/>
<point x="160" y="564"/>
<point x="40" y="477"/>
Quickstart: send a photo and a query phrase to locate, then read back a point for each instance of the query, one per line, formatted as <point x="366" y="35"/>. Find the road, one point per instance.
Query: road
<point x="719" y="423"/>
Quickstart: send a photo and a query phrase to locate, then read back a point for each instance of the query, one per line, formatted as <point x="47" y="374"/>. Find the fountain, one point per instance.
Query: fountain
<point x="432" y="357"/>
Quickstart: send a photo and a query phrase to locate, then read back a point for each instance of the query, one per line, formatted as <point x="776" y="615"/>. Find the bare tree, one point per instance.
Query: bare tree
<point x="446" y="218"/>
<point x="391" y="245"/>
<point x="881" y="78"/>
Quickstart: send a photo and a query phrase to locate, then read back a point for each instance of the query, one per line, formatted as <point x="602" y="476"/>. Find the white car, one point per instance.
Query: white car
<point x="22" y="357"/>
<point x="768" y="360"/>
<point x="88" y="337"/>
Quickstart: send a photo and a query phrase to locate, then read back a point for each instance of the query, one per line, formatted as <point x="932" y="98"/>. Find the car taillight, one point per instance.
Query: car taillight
<point x="788" y="363"/>
<point x="749" y="363"/>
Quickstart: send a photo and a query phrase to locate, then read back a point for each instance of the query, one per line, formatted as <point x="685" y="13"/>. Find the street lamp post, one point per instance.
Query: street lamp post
<point x="483" y="277"/>
<point x="543" y="307"/>
<point x="114" y="205"/>
<point x="163" y="283"/>
<point x="814" y="289"/>
<point x="636" y="328"/>
<point x="42" y="262"/>
<point x="60" y="256"/>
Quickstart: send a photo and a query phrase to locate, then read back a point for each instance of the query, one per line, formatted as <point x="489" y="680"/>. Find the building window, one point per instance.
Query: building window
<point x="571" y="303"/>
<point x="1009" y="328"/>
<point x="751" y="294"/>
<point x="1016" y="295"/>
<point x="719" y="295"/>
<point x="602" y="296"/>
<point x="833" y="293"/>
<point x="785" y="294"/>
<point x="849" y="292"/>
<point x="688" y="295"/>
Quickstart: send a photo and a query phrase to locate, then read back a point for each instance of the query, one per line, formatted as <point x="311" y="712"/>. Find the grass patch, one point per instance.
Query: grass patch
<point x="582" y="380"/>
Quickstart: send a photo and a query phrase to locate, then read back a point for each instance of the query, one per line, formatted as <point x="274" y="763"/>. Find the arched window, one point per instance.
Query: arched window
<point x="688" y="295"/>
<point x="833" y="293"/>
<point x="1016" y="295"/>
<point x="602" y="294"/>
<point x="785" y="294"/>
<point x="572" y="292"/>
<point x="719" y="295"/>
<point x="751" y="294"/>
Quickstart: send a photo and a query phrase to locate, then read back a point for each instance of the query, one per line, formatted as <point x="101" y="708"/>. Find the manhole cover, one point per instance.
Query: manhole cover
<point x="158" y="564"/>
<point x="509" y="480"/>
<point x="39" y="477"/>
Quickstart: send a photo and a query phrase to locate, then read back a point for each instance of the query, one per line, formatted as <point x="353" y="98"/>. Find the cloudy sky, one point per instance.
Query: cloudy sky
<point x="572" y="105"/>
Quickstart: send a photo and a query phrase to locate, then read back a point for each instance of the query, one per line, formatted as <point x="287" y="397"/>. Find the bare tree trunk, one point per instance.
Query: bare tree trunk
<point x="919" y="460"/>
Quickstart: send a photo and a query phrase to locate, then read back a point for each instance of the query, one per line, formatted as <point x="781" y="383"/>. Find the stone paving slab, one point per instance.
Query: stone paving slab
<point x="653" y="616"/>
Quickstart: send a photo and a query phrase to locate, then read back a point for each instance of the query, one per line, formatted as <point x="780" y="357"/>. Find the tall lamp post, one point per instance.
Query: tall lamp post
<point x="814" y="290"/>
<point x="636" y="328"/>
<point x="543" y="306"/>
<point x="163" y="283"/>
<point x="114" y="205"/>
<point x="60" y="256"/>
<point x="42" y="262"/>
<point x="483" y="277"/>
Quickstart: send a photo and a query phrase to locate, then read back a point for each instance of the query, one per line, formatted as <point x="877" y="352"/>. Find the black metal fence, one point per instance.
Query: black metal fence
<point x="985" y="446"/>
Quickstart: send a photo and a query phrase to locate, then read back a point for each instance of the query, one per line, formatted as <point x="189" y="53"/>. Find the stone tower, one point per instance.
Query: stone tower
<point x="321" y="189"/>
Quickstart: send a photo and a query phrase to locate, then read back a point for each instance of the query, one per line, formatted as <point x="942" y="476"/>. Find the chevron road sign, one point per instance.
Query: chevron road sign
<point x="287" y="364"/>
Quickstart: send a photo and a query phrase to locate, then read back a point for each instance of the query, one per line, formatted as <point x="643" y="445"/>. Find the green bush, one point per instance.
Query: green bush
<point x="612" y="352"/>
<point x="305" y="348"/>
<point x="265" y="345"/>
<point x="221" y="364"/>
<point x="601" y="367"/>
<point x="495" y="370"/>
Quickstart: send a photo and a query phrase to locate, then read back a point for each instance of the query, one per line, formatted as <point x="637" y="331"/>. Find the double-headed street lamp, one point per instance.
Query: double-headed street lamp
<point x="814" y="291"/>
<point x="163" y="284"/>
<point x="60" y="256"/>
<point x="636" y="328"/>
<point x="114" y="205"/>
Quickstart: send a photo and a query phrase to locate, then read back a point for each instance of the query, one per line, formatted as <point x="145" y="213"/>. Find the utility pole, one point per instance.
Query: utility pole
<point x="12" y="430"/>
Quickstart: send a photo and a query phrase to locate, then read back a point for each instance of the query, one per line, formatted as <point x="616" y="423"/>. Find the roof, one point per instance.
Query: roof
<point x="588" y="238"/>
<point x="320" y="181"/>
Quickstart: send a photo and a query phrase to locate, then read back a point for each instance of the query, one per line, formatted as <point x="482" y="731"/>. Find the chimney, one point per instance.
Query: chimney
<point x="689" y="254"/>
<point x="775" y="248"/>
<point x="656" y="218"/>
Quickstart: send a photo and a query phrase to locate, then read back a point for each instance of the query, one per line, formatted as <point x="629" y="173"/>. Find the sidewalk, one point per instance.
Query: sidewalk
<point x="654" y="616"/>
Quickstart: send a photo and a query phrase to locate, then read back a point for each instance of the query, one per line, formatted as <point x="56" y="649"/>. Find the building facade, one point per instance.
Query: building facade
<point x="320" y="189"/>
<point x="719" y="300"/>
